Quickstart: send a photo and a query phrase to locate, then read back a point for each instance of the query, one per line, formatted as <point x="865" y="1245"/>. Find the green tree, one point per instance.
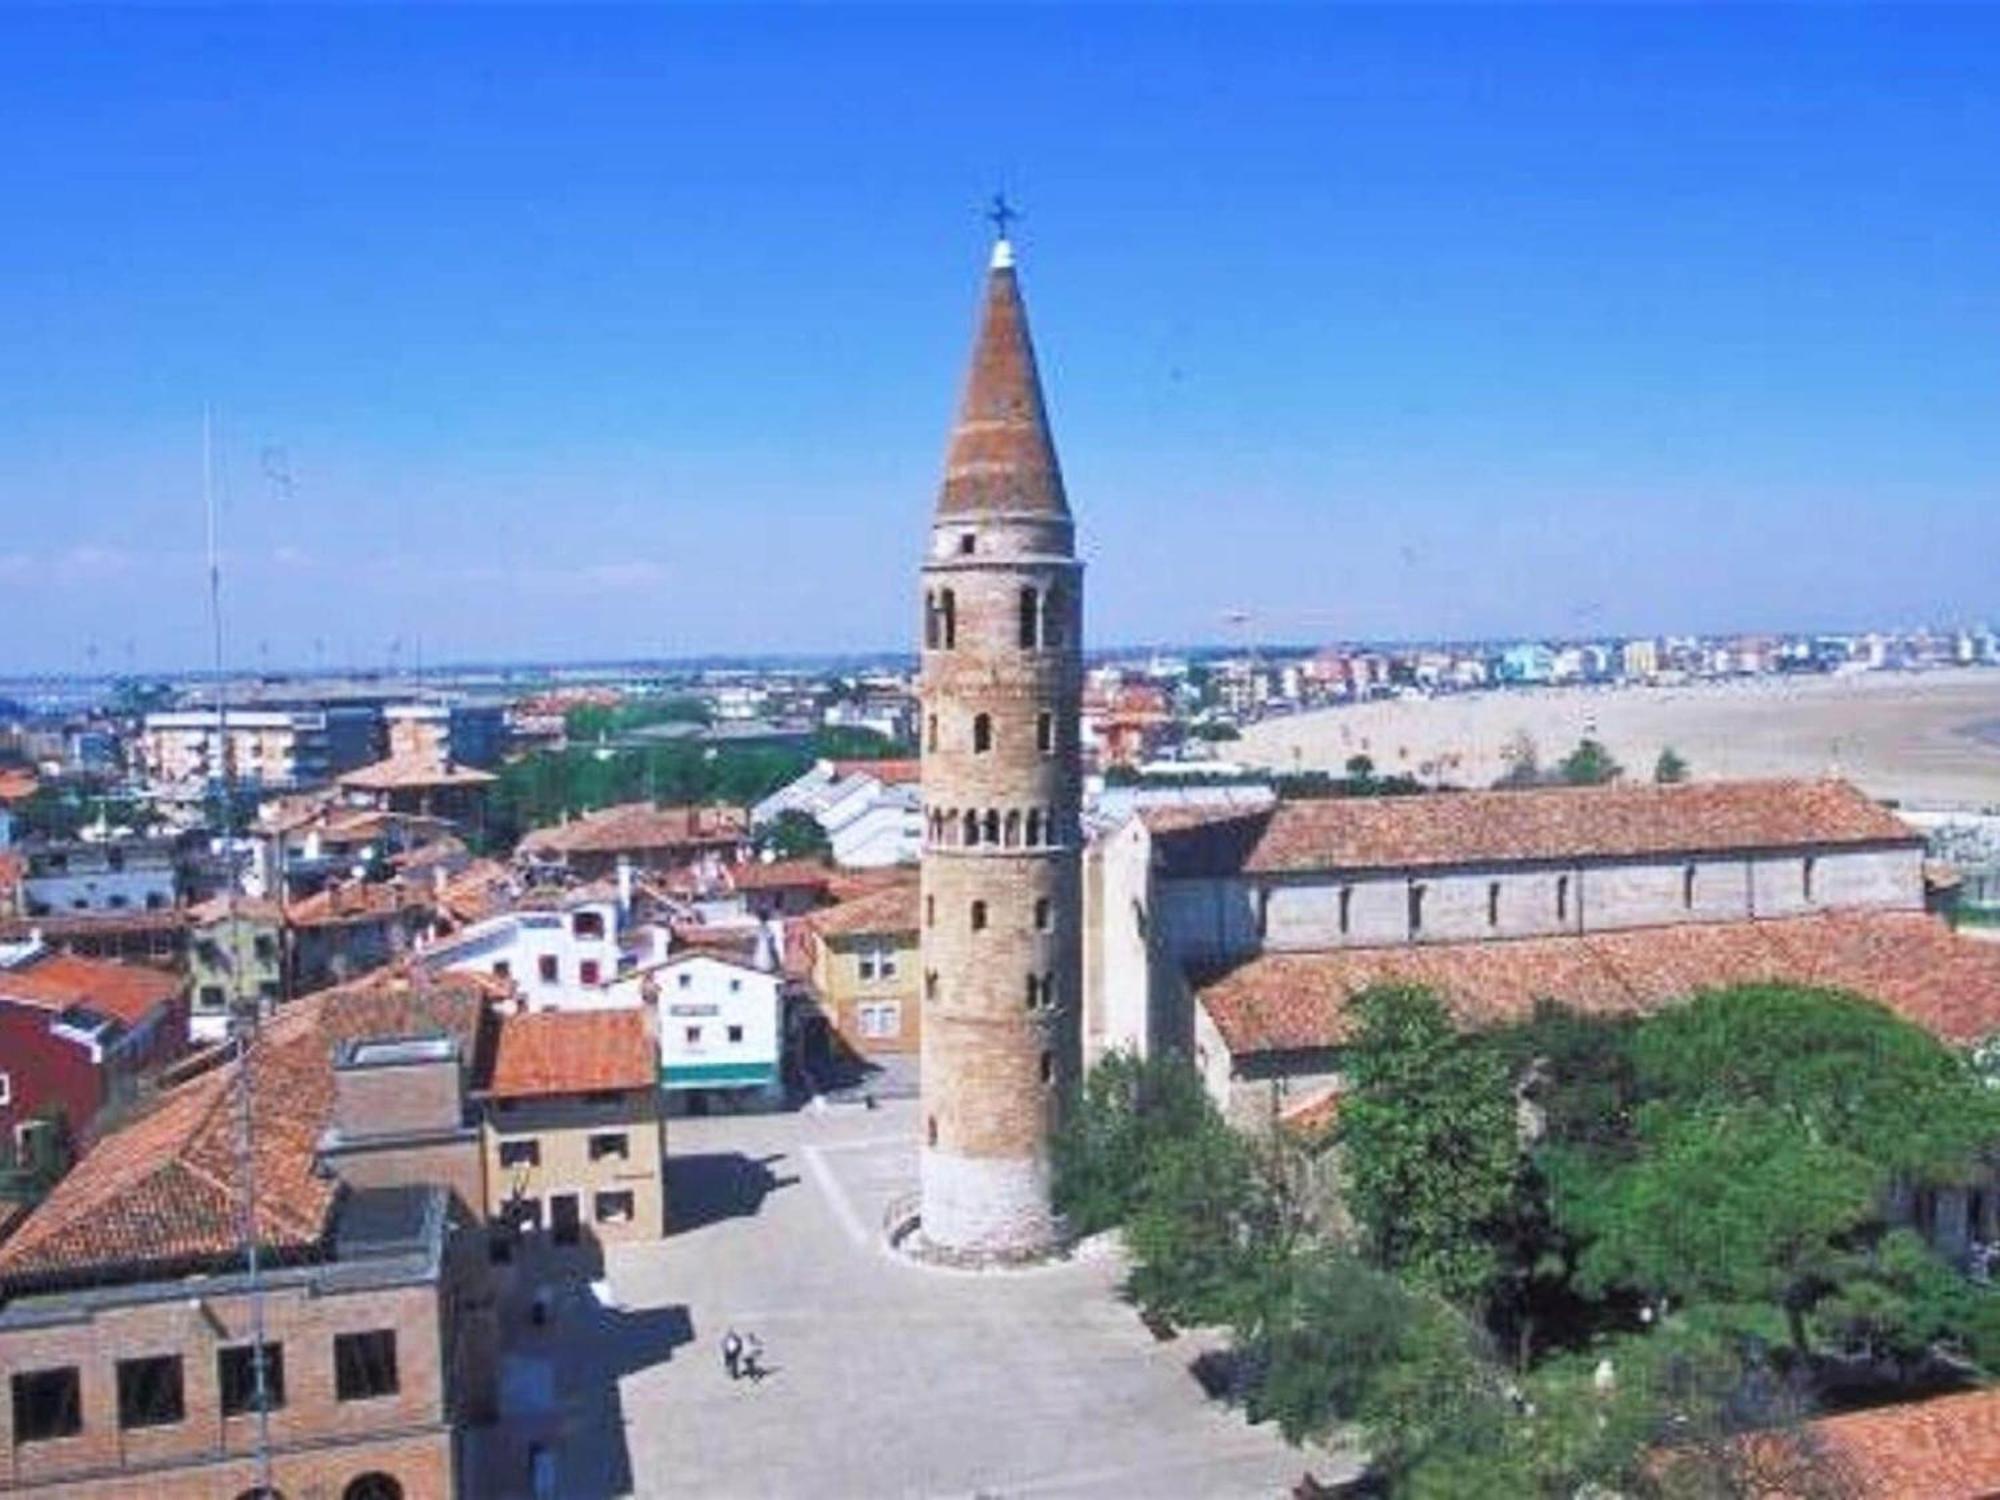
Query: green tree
<point x="795" y="834"/>
<point x="1340" y="1325"/>
<point x="1193" y="1232"/>
<point x="1104" y="1147"/>
<point x="1589" y="764"/>
<point x="1734" y="1205"/>
<point x="1428" y="1140"/>
<point x="1523" y="761"/>
<point x="1670" y="768"/>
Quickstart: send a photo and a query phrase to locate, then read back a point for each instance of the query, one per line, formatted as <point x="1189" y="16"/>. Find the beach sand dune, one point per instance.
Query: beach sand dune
<point x="1927" y="739"/>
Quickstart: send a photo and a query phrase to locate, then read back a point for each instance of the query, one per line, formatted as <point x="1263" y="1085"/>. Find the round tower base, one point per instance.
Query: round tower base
<point x="981" y="1211"/>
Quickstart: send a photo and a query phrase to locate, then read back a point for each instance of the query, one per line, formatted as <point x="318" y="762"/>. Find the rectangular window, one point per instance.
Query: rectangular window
<point x="549" y="968"/>
<point x="736" y="1033"/>
<point x="364" y="1365"/>
<point x="520" y="1153"/>
<point x="881" y="1020"/>
<point x="588" y="924"/>
<point x="687" y="980"/>
<point x="211" y="997"/>
<point x="610" y="1145"/>
<point x="149" y="1391"/>
<point x="48" y="1404"/>
<point x="6" y="1089"/>
<point x="236" y="1378"/>
<point x="266" y="948"/>
<point x="693" y="1034"/>
<point x="1045" y="733"/>
<point x="867" y="962"/>
<point x="1493" y="903"/>
<point x="502" y="969"/>
<point x="587" y="971"/>
<point x="613" y="1208"/>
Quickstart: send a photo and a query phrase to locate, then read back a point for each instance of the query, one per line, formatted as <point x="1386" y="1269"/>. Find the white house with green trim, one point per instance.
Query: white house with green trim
<point x="721" y="1025"/>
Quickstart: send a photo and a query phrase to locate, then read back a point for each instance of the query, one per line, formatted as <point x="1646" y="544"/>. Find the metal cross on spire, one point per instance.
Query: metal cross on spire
<point x="1002" y="213"/>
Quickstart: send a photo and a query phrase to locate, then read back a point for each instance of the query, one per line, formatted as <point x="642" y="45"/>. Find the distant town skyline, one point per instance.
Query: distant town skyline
<point x="631" y="334"/>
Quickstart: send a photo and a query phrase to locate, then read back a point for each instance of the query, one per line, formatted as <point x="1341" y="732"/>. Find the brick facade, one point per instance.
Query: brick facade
<point x="1001" y="910"/>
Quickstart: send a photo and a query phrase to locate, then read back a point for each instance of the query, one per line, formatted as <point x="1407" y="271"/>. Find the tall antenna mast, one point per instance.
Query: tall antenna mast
<point x="243" y="1017"/>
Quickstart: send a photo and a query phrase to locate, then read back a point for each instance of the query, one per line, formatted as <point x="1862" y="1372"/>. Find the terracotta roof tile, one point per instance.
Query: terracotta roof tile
<point x="904" y="772"/>
<point x="365" y="901"/>
<point x="571" y="1052"/>
<point x="641" y="825"/>
<point x="892" y="909"/>
<point x="779" y="874"/>
<point x="1908" y="961"/>
<point x="1556" y="823"/>
<point x="401" y="772"/>
<point x="1944" y="1448"/>
<point x="161" y="1191"/>
<point x="128" y="993"/>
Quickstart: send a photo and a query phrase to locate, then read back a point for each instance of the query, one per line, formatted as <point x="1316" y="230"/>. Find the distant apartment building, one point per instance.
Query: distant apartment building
<point x="572" y="1132"/>
<point x="181" y="754"/>
<point x="419" y="787"/>
<point x="447" y="734"/>
<point x="1640" y="659"/>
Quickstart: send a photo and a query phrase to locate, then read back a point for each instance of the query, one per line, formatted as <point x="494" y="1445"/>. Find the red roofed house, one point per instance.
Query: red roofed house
<point x="77" y="1034"/>
<point x="573" y="1140"/>
<point x="863" y="966"/>
<point x="642" y="835"/>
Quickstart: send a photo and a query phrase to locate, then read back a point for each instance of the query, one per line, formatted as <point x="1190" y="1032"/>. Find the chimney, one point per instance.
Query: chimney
<point x="624" y="890"/>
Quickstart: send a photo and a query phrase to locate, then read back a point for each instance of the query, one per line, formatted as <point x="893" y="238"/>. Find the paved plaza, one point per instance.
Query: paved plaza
<point x="887" y="1378"/>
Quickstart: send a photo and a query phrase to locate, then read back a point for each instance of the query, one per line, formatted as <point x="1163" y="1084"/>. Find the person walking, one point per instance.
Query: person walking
<point x="732" y="1353"/>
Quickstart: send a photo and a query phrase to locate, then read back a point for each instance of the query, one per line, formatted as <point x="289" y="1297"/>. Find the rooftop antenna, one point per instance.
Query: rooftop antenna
<point x="243" y="1017"/>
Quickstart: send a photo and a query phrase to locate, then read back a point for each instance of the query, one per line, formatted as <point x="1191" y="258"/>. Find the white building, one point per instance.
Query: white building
<point x="567" y="956"/>
<point x="721" y="1030"/>
<point x="871" y="811"/>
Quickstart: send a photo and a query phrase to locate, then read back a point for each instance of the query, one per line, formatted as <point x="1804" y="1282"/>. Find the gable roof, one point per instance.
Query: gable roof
<point x="1910" y="962"/>
<point x="412" y="772"/>
<point x="161" y="1192"/>
<point x="898" y="772"/>
<point x="1552" y="823"/>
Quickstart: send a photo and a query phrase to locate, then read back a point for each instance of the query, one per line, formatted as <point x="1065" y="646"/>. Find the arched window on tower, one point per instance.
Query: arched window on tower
<point x="1045" y="733"/>
<point x="1034" y="828"/>
<point x="930" y="733"/>
<point x="933" y="632"/>
<point x="991" y="833"/>
<point x="1030" y="621"/>
<point x="1042" y="910"/>
<point x="1052" y="617"/>
<point x="1011" y="830"/>
<point x="948" y="618"/>
<point x="982" y="733"/>
<point x="979" y="916"/>
<point x="971" y="828"/>
<point x="1034" y="992"/>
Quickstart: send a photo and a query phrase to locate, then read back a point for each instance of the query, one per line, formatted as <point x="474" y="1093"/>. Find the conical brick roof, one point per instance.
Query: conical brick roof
<point x="1002" y="458"/>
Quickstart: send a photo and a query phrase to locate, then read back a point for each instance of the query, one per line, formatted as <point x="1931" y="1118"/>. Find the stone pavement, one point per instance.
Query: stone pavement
<point x="887" y="1378"/>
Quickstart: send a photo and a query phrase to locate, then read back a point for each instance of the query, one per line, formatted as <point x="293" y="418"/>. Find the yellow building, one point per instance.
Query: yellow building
<point x="865" y="971"/>
<point x="574" y="1144"/>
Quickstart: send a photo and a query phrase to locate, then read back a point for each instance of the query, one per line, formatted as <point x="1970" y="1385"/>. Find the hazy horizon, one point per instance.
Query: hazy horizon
<point x="611" y="334"/>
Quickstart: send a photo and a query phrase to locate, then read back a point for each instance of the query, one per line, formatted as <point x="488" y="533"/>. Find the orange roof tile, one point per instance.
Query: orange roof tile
<point x="408" y="772"/>
<point x="779" y="874"/>
<point x="902" y="772"/>
<point x="892" y="909"/>
<point x="17" y="783"/>
<point x="640" y="825"/>
<point x="128" y="993"/>
<point x="1910" y="962"/>
<point x="1555" y="823"/>
<point x="364" y="901"/>
<point x="1944" y="1448"/>
<point x="162" y="1190"/>
<point x="571" y="1052"/>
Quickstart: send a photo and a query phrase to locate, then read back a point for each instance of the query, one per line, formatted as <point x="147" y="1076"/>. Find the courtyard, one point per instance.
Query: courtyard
<point x="885" y="1378"/>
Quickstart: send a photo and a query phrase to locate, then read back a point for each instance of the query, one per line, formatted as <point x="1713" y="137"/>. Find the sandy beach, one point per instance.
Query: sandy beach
<point x="1926" y="739"/>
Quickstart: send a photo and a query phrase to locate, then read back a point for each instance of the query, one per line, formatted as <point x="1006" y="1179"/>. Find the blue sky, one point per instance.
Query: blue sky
<point x="629" y="332"/>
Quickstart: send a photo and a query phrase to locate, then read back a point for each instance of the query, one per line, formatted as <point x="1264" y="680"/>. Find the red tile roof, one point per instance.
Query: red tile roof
<point x="128" y="993"/>
<point x="1002" y="459"/>
<point x="540" y="1053"/>
<point x="1945" y="1448"/>
<point x="780" y="874"/>
<point x="1909" y="961"/>
<point x="641" y="825"/>
<point x="889" y="772"/>
<point x="162" y="1190"/>
<point x="364" y="901"/>
<point x="1556" y="823"/>
<point x="17" y="783"/>
<point x="892" y="909"/>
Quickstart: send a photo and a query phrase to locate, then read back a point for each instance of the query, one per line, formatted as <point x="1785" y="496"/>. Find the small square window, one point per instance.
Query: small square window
<point x="692" y="1033"/>
<point x="364" y="1365"/>
<point x="736" y="1033"/>
<point x="549" y="967"/>
<point x="588" y="971"/>
<point x="150" y="1393"/>
<point x="520" y="1153"/>
<point x="236" y="1378"/>
<point x="687" y="980"/>
<point x="613" y="1208"/>
<point x="611" y="1145"/>
<point x="48" y="1404"/>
